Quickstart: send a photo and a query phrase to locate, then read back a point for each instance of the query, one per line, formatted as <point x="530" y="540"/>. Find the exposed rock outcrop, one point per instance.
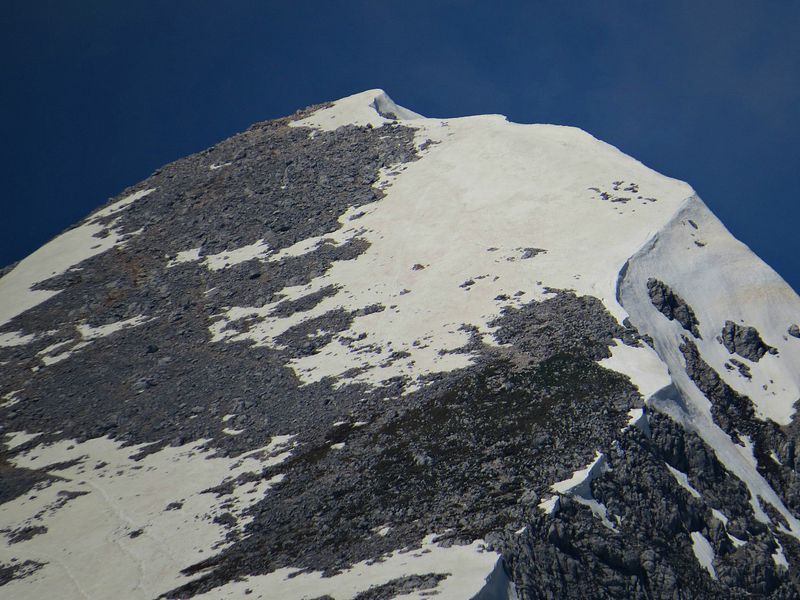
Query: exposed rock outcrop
<point x="672" y="306"/>
<point x="744" y="341"/>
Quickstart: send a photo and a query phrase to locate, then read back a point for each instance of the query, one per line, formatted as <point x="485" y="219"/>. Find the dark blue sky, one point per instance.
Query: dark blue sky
<point x="97" y="94"/>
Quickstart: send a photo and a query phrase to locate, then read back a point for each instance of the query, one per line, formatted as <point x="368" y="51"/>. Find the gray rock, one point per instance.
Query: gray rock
<point x="672" y="306"/>
<point x="744" y="370"/>
<point x="744" y="341"/>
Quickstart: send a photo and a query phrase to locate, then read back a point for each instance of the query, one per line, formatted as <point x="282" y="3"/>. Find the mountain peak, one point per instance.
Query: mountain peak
<point x="371" y="107"/>
<point x="361" y="353"/>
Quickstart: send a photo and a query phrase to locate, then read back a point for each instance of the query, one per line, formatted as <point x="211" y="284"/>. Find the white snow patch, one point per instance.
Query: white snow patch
<point x="257" y="250"/>
<point x="774" y="457"/>
<point x="17" y="438"/>
<point x="124" y="497"/>
<point x="184" y="256"/>
<point x="736" y="541"/>
<point x="645" y="369"/>
<point x="498" y="585"/>
<point x="88" y="334"/>
<point x="337" y="446"/>
<point x="549" y="505"/>
<point x="53" y="347"/>
<point x="56" y="257"/>
<point x="219" y="166"/>
<point x="580" y="482"/>
<point x="703" y="552"/>
<point x="467" y="569"/>
<point x="222" y="260"/>
<point x="598" y="509"/>
<point x="724" y="520"/>
<point x="719" y="516"/>
<point x="383" y="531"/>
<point x="779" y="558"/>
<point x="278" y="442"/>
<point x="683" y="481"/>
<point x="746" y="450"/>
<point x="637" y="417"/>
<point x="51" y="359"/>
<point x="113" y="209"/>
<point x="10" y="399"/>
<point x="579" y="486"/>
<point x="301" y="248"/>
<point x="15" y="338"/>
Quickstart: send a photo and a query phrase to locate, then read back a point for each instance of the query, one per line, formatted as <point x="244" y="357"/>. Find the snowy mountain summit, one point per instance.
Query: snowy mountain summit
<point x="357" y="353"/>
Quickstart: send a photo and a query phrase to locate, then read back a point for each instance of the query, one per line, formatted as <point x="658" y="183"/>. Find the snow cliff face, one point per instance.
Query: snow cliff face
<point x="360" y="353"/>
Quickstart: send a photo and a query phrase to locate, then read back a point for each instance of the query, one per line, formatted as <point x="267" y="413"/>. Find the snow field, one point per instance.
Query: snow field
<point x="112" y="528"/>
<point x="450" y="244"/>
<point x="466" y="212"/>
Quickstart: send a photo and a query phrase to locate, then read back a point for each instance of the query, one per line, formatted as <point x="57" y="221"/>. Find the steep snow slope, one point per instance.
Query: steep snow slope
<point x="493" y="215"/>
<point x="721" y="279"/>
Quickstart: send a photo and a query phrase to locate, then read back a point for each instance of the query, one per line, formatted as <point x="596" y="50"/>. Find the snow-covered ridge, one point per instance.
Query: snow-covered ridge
<point x="372" y="107"/>
<point x="493" y="214"/>
<point x="486" y="188"/>
<point x="721" y="279"/>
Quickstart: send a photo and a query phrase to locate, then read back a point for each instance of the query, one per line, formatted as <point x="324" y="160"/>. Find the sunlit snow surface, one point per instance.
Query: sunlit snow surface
<point x="683" y="481"/>
<point x="703" y="552"/>
<point x="59" y="351"/>
<point x="721" y="280"/>
<point x="579" y="486"/>
<point x="222" y="260"/>
<point x="483" y="191"/>
<point x="142" y="521"/>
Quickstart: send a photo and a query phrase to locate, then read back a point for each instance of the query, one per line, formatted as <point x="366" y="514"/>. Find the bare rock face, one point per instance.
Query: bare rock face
<point x="672" y="306"/>
<point x="744" y="341"/>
